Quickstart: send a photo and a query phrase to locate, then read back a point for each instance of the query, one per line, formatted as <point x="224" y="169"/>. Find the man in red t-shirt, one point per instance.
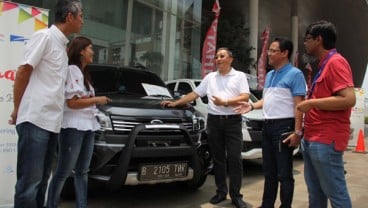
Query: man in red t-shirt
<point x="327" y="119"/>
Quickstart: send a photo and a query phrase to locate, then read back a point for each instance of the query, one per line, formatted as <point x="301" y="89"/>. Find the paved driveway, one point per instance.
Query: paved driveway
<point x="175" y="196"/>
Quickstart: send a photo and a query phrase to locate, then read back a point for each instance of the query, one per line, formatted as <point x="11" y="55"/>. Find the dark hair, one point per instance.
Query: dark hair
<point x="285" y="45"/>
<point x="75" y="58"/>
<point x="63" y="7"/>
<point x="227" y="51"/>
<point x="326" y="30"/>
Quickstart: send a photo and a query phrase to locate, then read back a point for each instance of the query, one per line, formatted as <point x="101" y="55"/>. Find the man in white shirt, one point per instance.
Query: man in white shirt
<point x="39" y="100"/>
<point x="225" y="88"/>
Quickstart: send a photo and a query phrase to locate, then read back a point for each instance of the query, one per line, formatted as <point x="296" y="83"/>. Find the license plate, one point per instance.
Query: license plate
<point x="163" y="171"/>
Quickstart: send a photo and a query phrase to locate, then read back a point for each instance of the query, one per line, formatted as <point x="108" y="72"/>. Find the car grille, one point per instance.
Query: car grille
<point x="124" y="125"/>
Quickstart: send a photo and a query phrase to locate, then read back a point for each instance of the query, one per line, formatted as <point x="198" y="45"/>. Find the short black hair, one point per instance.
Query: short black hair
<point x="285" y="44"/>
<point x="326" y="30"/>
<point x="227" y="50"/>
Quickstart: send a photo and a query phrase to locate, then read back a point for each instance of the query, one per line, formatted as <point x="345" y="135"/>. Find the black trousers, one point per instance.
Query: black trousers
<point x="225" y="140"/>
<point x="277" y="163"/>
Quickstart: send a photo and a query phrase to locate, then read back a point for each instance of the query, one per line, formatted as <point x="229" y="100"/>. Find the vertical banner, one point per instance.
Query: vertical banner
<point x="261" y="67"/>
<point x="209" y="44"/>
<point x="18" y="22"/>
<point x="296" y="59"/>
<point x="309" y="76"/>
<point x="365" y="87"/>
<point x="357" y="117"/>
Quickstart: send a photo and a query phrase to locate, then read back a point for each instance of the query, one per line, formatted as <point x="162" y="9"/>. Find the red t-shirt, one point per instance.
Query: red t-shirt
<point x="330" y="126"/>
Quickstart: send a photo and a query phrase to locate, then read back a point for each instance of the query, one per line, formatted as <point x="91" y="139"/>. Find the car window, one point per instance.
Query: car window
<point x="184" y="88"/>
<point x="109" y="80"/>
<point x="171" y="87"/>
<point x="197" y="83"/>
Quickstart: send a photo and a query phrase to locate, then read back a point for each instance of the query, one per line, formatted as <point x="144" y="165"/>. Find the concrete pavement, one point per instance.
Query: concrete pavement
<point x="175" y="196"/>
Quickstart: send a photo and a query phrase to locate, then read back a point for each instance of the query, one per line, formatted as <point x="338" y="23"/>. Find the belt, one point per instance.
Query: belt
<point x="277" y="120"/>
<point x="232" y="116"/>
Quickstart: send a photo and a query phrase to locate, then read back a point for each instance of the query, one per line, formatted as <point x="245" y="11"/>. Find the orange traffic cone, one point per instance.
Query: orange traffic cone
<point x="360" y="148"/>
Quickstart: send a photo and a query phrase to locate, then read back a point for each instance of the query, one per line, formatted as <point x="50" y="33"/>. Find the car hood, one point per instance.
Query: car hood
<point x="132" y="105"/>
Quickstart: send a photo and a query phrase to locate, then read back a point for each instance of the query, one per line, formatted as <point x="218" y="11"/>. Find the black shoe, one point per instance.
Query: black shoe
<point x="219" y="197"/>
<point x="239" y="203"/>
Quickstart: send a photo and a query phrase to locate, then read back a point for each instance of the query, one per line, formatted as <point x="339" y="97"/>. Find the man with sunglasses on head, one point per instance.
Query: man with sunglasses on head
<point x="39" y="102"/>
<point x="327" y="119"/>
<point x="285" y="87"/>
<point x="225" y="88"/>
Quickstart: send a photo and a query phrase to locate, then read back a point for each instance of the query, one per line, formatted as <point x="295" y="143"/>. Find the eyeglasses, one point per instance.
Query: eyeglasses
<point x="220" y="56"/>
<point x="307" y="38"/>
<point x="273" y="50"/>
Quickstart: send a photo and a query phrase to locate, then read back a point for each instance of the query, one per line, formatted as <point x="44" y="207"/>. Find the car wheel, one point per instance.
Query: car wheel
<point x="199" y="176"/>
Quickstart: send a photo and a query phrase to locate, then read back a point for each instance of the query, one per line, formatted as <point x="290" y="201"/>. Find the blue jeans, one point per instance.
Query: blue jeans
<point x="36" y="149"/>
<point x="324" y="175"/>
<point x="75" y="152"/>
<point x="277" y="164"/>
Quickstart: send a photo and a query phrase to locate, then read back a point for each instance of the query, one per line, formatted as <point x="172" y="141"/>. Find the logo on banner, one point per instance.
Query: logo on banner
<point x="17" y="38"/>
<point x="209" y="45"/>
<point x="8" y="74"/>
<point x="9" y="169"/>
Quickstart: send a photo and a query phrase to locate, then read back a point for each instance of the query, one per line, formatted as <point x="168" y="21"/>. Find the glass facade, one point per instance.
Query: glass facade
<point x="162" y="36"/>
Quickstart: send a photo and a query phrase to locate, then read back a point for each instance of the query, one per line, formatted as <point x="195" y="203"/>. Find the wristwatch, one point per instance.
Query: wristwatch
<point x="299" y="133"/>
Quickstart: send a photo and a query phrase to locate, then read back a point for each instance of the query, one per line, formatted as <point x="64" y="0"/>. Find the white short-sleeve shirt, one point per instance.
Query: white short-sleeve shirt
<point x="82" y="119"/>
<point x="226" y="86"/>
<point x="43" y="100"/>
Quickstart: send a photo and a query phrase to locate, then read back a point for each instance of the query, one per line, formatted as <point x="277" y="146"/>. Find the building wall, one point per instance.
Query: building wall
<point x="349" y="16"/>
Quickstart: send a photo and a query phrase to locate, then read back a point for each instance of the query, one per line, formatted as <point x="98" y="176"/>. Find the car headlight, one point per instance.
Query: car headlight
<point x="245" y="120"/>
<point x="198" y="122"/>
<point x="104" y="121"/>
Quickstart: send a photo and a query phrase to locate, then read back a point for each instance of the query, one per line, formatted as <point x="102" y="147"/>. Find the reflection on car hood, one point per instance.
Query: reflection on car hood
<point x="137" y="105"/>
<point x="254" y="115"/>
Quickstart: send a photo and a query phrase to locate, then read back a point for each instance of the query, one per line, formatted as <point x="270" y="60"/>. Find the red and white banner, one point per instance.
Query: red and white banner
<point x="209" y="44"/>
<point x="296" y="59"/>
<point x="309" y="76"/>
<point x="261" y="67"/>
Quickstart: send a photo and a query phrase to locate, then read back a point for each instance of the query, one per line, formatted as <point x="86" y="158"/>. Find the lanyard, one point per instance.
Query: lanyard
<point x="330" y="54"/>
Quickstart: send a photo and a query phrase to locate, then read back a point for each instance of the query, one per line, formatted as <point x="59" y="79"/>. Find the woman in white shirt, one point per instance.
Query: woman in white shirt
<point x="79" y="123"/>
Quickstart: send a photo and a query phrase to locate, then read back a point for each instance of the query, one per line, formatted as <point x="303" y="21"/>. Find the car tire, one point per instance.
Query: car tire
<point x="199" y="176"/>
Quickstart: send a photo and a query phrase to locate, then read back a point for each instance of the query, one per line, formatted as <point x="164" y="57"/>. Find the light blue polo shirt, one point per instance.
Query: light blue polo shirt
<point x="280" y="88"/>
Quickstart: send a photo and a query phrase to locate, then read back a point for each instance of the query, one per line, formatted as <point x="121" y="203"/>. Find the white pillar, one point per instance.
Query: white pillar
<point x="294" y="28"/>
<point x="169" y="38"/>
<point x="128" y="32"/>
<point x="253" y="34"/>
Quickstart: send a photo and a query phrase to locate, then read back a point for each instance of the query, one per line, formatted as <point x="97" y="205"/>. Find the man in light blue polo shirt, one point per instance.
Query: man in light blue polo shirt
<point x="285" y="87"/>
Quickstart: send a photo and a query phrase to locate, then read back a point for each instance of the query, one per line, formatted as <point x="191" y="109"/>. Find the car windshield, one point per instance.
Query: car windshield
<point x="113" y="80"/>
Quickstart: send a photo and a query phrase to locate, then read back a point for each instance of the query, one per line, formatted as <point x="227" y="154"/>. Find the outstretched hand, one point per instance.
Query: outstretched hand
<point x="243" y="107"/>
